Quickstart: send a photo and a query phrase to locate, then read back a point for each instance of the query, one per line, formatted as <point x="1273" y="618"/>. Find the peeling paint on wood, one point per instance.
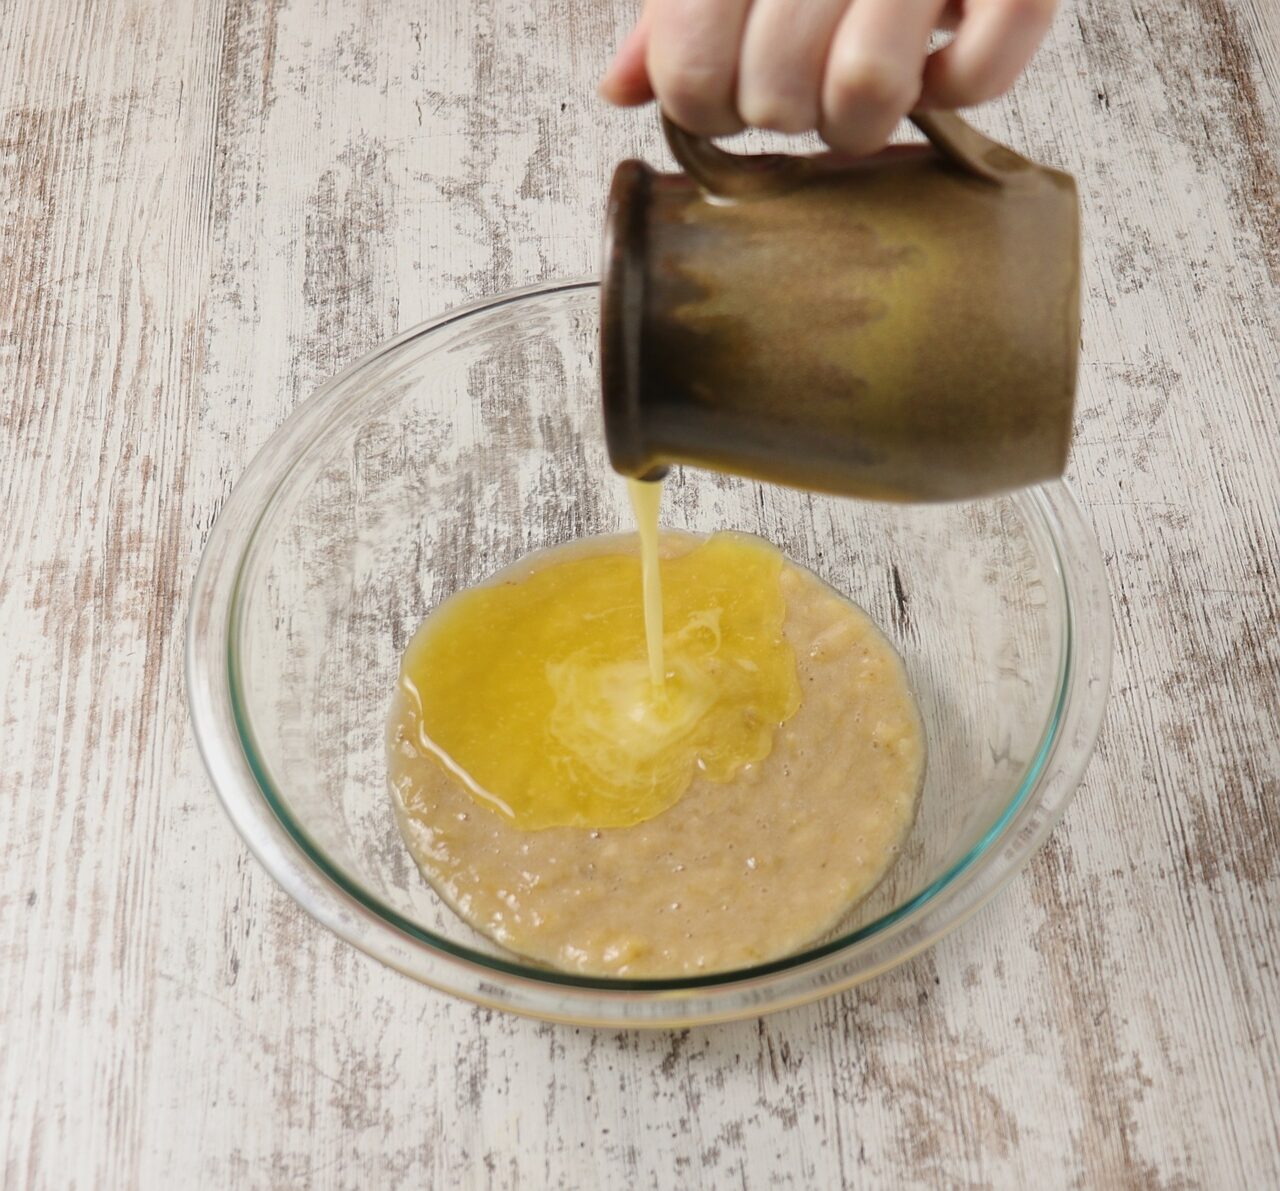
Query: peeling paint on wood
<point x="208" y="206"/>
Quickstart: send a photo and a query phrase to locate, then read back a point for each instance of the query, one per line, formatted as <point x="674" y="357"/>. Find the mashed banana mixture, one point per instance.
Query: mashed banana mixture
<point x="782" y="763"/>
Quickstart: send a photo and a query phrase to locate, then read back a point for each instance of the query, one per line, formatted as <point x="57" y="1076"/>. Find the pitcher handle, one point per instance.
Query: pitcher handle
<point x="738" y="175"/>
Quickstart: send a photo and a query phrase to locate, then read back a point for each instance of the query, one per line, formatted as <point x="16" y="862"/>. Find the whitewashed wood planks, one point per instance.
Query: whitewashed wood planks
<point x="208" y="208"/>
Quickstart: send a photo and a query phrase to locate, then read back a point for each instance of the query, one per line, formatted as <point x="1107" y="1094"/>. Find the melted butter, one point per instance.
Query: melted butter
<point x="539" y="694"/>
<point x="646" y="501"/>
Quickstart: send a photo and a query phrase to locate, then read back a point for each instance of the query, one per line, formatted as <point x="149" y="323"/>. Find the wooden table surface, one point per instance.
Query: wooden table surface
<point x="209" y="206"/>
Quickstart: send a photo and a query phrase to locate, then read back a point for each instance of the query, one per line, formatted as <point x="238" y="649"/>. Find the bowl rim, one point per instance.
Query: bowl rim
<point x="225" y="741"/>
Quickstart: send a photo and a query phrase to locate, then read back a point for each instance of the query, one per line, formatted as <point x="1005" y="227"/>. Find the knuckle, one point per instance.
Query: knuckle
<point x="1029" y="10"/>
<point x="779" y="113"/>
<point x="982" y="84"/>
<point x="690" y="97"/>
<point x="968" y="95"/>
<point x="846" y="139"/>
<point x="992" y="88"/>
<point x="870" y="82"/>
<point x="964" y="89"/>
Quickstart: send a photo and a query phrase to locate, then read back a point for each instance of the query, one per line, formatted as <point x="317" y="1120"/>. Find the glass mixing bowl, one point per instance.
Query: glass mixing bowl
<point x="473" y="439"/>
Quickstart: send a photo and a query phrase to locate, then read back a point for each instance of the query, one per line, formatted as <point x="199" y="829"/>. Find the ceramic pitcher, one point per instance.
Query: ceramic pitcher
<point x="903" y="326"/>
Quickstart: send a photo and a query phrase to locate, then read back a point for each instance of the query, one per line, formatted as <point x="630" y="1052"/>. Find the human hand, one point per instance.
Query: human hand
<point x="851" y="69"/>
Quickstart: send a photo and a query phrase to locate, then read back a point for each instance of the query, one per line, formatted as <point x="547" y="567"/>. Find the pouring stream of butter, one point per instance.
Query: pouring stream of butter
<point x="646" y="499"/>
<point x="535" y="691"/>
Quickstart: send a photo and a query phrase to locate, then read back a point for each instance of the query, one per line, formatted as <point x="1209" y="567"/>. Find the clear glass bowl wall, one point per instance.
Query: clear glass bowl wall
<point x="473" y="440"/>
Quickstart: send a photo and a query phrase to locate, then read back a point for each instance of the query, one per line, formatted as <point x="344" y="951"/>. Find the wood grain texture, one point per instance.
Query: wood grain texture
<point x="210" y="205"/>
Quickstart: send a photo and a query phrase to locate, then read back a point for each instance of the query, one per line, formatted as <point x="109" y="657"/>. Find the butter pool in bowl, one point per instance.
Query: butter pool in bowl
<point x="467" y="443"/>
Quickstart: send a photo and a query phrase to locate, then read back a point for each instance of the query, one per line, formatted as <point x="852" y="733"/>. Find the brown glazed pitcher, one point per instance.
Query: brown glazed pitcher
<point x="904" y="326"/>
